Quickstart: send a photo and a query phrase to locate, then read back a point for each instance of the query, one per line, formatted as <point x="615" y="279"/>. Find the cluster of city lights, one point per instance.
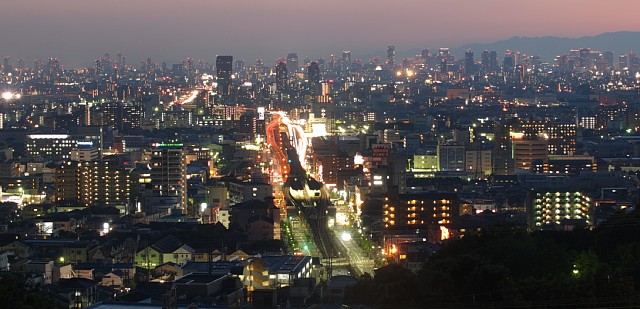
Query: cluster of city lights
<point x="8" y="95"/>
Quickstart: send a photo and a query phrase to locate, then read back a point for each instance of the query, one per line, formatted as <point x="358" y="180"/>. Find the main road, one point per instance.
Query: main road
<point x="288" y="147"/>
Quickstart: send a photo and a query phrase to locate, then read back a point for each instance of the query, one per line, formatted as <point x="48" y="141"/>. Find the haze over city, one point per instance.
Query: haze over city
<point x="78" y="31"/>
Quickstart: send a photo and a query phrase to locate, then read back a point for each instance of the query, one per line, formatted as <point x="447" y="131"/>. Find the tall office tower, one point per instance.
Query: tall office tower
<point x="346" y="56"/>
<point x="608" y="58"/>
<point x="132" y="116"/>
<point x="469" y="63"/>
<point x="623" y="62"/>
<point x="313" y="78"/>
<point x="224" y="69"/>
<point x="111" y="114"/>
<point x="282" y="81"/>
<point x="502" y="148"/>
<point x="585" y="57"/>
<point x="443" y="52"/>
<point x="562" y="62"/>
<point x="259" y="65"/>
<point x="485" y="64"/>
<point x="169" y="176"/>
<point x="424" y="56"/>
<point x="493" y="61"/>
<point x="99" y="67"/>
<point x="239" y="67"/>
<point x="86" y="112"/>
<point x="634" y="63"/>
<point x="346" y="60"/>
<point x="332" y="62"/>
<point x="443" y="65"/>
<point x="6" y="65"/>
<point x="292" y="63"/>
<point x="509" y="61"/>
<point x="391" y="56"/>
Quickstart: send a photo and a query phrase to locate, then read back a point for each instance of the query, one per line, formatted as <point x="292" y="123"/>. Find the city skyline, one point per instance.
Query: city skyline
<point x="78" y="32"/>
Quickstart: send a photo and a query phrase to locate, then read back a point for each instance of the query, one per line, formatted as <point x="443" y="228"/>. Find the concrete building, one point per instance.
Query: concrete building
<point x="550" y="209"/>
<point x="168" y="177"/>
<point x="527" y="150"/>
<point x="244" y="191"/>
<point x="417" y="210"/>
<point x="451" y="157"/>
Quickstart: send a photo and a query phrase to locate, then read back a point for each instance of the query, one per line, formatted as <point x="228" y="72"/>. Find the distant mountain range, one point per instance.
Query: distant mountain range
<point x="549" y="46"/>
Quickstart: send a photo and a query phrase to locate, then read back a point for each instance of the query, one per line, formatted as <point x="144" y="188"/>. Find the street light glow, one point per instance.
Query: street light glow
<point x="346" y="236"/>
<point x="7" y="95"/>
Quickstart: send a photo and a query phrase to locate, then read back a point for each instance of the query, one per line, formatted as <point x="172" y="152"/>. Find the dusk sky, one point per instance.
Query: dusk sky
<point x="79" y="31"/>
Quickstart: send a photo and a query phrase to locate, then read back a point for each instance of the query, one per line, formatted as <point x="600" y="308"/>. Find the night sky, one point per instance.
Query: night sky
<point x="79" y="31"/>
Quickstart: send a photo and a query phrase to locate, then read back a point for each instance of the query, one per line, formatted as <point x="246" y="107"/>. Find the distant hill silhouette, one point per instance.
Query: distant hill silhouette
<point x="549" y="46"/>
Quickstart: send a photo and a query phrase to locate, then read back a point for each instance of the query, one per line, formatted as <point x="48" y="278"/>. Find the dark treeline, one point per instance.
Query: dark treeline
<point x="514" y="268"/>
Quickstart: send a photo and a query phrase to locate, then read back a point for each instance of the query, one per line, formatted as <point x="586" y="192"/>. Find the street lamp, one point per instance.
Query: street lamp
<point x="345" y="236"/>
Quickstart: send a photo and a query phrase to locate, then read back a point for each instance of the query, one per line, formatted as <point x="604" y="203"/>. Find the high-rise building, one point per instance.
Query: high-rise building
<point x="585" y="57"/>
<point x="561" y="137"/>
<point x="424" y="56"/>
<point x="451" y="157"/>
<point x="527" y="149"/>
<point x="292" y="63"/>
<point x="509" y="62"/>
<point x="132" y="116"/>
<point x="485" y="63"/>
<point x="313" y="78"/>
<point x="282" y="80"/>
<point x="562" y="62"/>
<point x="391" y="56"/>
<point x="502" y="156"/>
<point x="608" y="58"/>
<point x="478" y="162"/>
<point x="104" y="182"/>
<point x="493" y="61"/>
<point x="111" y="114"/>
<point x="66" y="182"/>
<point x="169" y="175"/>
<point x="224" y="70"/>
<point x="346" y="61"/>
<point x="97" y="182"/>
<point x="49" y="147"/>
<point x="469" y="63"/>
<point x="623" y="62"/>
<point x="239" y="66"/>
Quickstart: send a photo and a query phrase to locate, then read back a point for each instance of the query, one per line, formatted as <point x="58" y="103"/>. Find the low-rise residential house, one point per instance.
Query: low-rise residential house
<point x="206" y="255"/>
<point x="168" y="249"/>
<point x="259" y="228"/>
<point x="18" y="249"/>
<point x="45" y="268"/>
<point x="114" y="279"/>
<point x="73" y="293"/>
<point x="149" y="257"/>
<point x="180" y="256"/>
